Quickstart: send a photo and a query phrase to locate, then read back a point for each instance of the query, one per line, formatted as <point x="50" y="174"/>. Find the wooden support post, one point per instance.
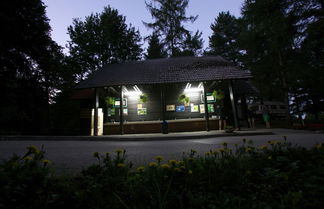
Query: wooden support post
<point x="230" y="87"/>
<point x="121" y="112"/>
<point x="95" y="116"/>
<point x="206" y="107"/>
<point x="163" y="106"/>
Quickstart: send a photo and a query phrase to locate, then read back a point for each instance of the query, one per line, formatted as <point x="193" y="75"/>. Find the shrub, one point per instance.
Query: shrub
<point x="276" y="175"/>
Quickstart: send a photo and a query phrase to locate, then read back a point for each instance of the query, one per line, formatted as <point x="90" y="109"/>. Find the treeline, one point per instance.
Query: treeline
<point x="279" y="41"/>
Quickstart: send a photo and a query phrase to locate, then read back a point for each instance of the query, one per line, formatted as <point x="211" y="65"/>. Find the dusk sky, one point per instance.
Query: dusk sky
<point x="61" y="13"/>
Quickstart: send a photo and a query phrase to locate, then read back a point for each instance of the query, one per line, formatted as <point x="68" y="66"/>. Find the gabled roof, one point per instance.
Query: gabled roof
<point x="167" y="70"/>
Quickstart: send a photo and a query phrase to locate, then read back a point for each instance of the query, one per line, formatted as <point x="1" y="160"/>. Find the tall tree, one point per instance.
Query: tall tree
<point x="100" y="39"/>
<point x="29" y="59"/>
<point x="283" y="48"/>
<point x="155" y="48"/>
<point x="268" y="39"/>
<point x="224" y="38"/>
<point x="169" y="18"/>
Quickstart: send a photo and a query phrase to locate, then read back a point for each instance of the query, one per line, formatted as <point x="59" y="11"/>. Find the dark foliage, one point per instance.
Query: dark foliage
<point x="28" y="61"/>
<point x="277" y="175"/>
<point x="169" y="17"/>
<point x="100" y="39"/>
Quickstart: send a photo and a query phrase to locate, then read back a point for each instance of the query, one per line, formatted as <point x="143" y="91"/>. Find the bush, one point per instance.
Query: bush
<point x="276" y="175"/>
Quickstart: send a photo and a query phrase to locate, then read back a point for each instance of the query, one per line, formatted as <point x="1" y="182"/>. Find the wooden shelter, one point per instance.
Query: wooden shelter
<point x="153" y="93"/>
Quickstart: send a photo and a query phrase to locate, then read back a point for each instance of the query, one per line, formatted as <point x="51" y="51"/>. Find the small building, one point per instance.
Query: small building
<point x="164" y="95"/>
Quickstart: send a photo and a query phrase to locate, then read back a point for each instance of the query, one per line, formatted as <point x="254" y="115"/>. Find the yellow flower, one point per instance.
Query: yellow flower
<point x="177" y="170"/>
<point x="173" y="162"/>
<point x="152" y="164"/>
<point x="121" y="165"/>
<point x="140" y="169"/>
<point x="33" y="149"/>
<point x="96" y="155"/>
<point x="221" y="150"/>
<point x="207" y="154"/>
<point x="158" y="158"/>
<point x="118" y="151"/>
<point x="248" y="149"/>
<point x="180" y="162"/>
<point x="264" y="147"/>
<point x="28" y="158"/>
<point x="165" y="166"/>
<point x="319" y="146"/>
<point x="46" y="162"/>
<point x="190" y="172"/>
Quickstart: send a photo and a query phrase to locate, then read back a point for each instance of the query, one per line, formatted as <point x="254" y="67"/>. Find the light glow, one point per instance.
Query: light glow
<point x="134" y="94"/>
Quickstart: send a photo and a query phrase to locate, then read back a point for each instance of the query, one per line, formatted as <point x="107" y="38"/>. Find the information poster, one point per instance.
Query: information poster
<point x="180" y="108"/>
<point x="141" y="111"/>
<point x="170" y="108"/>
<point x="211" y="108"/>
<point x="202" y="108"/>
<point x="194" y="108"/>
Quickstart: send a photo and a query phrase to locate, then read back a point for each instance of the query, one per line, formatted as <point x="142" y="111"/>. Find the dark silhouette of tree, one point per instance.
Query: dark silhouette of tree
<point x="155" y="48"/>
<point x="29" y="59"/>
<point x="169" y="17"/>
<point x="224" y="39"/>
<point x="284" y="49"/>
<point x="100" y="39"/>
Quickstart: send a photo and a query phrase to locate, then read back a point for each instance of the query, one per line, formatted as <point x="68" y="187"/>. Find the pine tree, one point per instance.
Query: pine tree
<point x="169" y="17"/>
<point x="155" y="48"/>
<point x="224" y="39"/>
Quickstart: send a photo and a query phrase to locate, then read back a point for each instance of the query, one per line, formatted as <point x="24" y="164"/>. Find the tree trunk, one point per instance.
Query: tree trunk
<point x="284" y="87"/>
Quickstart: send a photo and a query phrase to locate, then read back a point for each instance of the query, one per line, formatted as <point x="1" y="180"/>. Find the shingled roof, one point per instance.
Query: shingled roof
<point x="167" y="70"/>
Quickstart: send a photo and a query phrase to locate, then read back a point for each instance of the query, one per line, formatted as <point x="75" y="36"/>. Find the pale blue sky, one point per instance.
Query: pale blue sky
<point x="61" y="13"/>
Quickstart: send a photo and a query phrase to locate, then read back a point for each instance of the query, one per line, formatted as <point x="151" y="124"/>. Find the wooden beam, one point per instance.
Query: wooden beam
<point x="206" y="106"/>
<point x="163" y="106"/>
<point x="121" y="112"/>
<point x="230" y="87"/>
<point x="95" y="116"/>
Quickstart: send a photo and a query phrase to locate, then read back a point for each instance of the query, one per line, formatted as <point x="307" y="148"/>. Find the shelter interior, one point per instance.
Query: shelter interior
<point x="174" y="107"/>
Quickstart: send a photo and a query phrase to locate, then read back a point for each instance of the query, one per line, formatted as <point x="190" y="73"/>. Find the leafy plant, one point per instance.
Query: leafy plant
<point x="110" y="100"/>
<point x="218" y="94"/>
<point x="184" y="99"/>
<point x="143" y="98"/>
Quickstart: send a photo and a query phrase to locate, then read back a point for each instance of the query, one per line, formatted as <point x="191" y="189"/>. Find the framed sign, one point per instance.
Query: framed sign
<point x="202" y="108"/>
<point x="210" y="98"/>
<point x="170" y="108"/>
<point x="117" y="102"/>
<point x="211" y="108"/>
<point x="180" y="108"/>
<point x="194" y="108"/>
<point x="141" y="111"/>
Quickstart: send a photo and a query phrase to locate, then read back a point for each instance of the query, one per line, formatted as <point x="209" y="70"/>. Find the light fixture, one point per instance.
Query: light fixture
<point x="136" y="93"/>
<point x="189" y="90"/>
